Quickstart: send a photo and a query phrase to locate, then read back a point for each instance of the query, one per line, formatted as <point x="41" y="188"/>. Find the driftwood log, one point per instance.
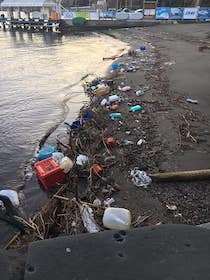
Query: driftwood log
<point x="182" y="175"/>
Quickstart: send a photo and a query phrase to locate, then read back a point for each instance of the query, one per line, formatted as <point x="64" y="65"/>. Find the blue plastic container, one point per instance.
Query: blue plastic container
<point x="115" y="66"/>
<point x="135" y="108"/>
<point x="46" y="152"/>
<point x="115" y="116"/>
<point x="143" y="48"/>
<point x="120" y="64"/>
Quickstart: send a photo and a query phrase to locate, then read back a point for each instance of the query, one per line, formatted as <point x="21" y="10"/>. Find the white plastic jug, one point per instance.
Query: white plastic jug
<point x="117" y="218"/>
<point x="66" y="164"/>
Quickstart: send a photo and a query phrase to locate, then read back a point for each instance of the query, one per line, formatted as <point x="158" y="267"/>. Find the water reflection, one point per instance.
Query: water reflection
<point x="39" y="71"/>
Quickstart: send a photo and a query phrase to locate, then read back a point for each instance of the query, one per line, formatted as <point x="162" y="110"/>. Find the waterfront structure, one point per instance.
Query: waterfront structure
<point x="26" y="9"/>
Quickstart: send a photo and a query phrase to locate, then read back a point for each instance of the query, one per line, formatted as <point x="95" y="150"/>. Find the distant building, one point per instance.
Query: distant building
<point x="27" y="8"/>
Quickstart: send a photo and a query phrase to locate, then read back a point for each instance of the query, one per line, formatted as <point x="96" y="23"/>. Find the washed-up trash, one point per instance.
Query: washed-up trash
<point x="132" y="53"/>
<point x="81" y="159"/>
<point x="193" y="101"/>
<point x="169" y="63"/>
<point x="142" y="48"/>
<point x="114" y="107"/>
<point x="128" y="142"/>
<point x="109" y="82"/>
<point x="46" y="152"/>
<point x="49" y="173"/>
<point x="125" y="88"/>
<point x="109" y="201"/>
<point x="171" y="207"/>
<point x="97" y="202"/>
<point x="75" y="124"/>
<point x="114" y="98"/>
<point x="110" y="141"/>
<point x="12" y="195"/>
<point x="200" y="48"/>
<point x="117" y="218"/>
<point x="115" y="116"/>
<point x="116" y="187"/>
<point x="103" y="102"/>
<point x="139" y="92"/>
<point x="135" y="108"/>
<point x="58" y="156"/>
<point x="96" y="169"/>
<point x="102" y="85"/>
<point x="120" y="64"/>
<point x="66" y="164"/>
<point x="143" y="60"/>
<point x="140" y="178"/>
<point x="131" y="69"/>
<point x="88" y="218"/>
<point x="114" y="66"/>
<point x="93" y="87"/>
<point x="102" y="91"/>
<point x="140" y="142"/>
<point x="86" y="117"/>
<point x="110" y="159"/>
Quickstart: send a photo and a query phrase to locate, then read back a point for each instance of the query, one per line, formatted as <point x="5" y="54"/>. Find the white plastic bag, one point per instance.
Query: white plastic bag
<point x="81" y="159"/>
<point x="88" y="218"/>
<point x="140" y="178"/>
<point x="117" y="218"/>
<point x="12" y="195"/>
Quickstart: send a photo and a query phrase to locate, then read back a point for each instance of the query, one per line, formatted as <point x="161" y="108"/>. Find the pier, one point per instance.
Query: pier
<point x="31" y="24"/>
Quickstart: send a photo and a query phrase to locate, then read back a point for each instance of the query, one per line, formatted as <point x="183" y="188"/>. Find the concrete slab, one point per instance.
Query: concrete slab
<point x="11" y="265"/>
<point x="163" y="252"/>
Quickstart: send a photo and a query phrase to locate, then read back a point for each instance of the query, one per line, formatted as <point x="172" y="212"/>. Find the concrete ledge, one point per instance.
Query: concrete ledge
<point x="91" y="25"/>
<point x="163" y="252"/>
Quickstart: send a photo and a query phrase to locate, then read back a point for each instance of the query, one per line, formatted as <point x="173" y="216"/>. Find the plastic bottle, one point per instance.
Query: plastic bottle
<point x="113" y="98"/>
<point x="135" y="108"/>
<point x="117" y="218"/>
<point x="103" y="102"/>
<point x="115" y="116"/>
<point x="58" y="157"/>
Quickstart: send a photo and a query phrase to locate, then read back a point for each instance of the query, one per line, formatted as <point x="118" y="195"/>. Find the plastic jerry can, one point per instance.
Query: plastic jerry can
<point x="117" y="218"/>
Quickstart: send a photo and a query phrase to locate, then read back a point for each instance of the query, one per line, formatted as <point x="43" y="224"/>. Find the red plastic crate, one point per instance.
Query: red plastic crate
<point x="49" y="172"/>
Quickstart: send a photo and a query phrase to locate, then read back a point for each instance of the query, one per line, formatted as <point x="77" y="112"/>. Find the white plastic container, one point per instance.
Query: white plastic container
<point x="66" y="164"/>
<point x="113" y="98"/>
<point x="117" y="218"/>
<point x="58" y="157"/>
<point x="103" y="102"/>
<point x="12" y="195"/>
